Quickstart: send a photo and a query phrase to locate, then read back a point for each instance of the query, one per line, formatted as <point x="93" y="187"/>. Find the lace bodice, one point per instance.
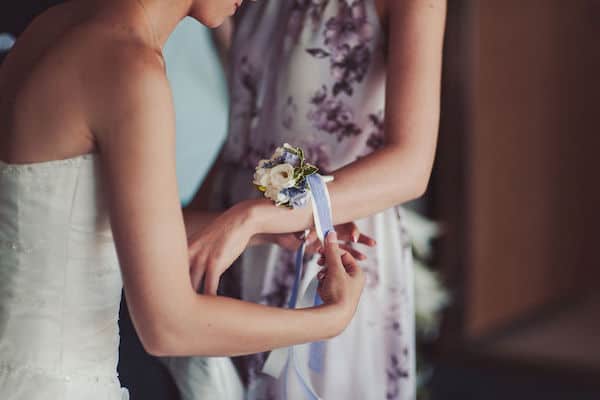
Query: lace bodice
<point x="60" y="285"/>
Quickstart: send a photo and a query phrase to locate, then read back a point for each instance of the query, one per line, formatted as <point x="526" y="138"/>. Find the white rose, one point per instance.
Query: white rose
<point x="282" y="176"/>
<point x="262" y="177"/>
<point x="271" y="194"/>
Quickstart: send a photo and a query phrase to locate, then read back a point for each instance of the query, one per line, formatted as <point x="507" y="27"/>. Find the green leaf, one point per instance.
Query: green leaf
<point x="292" y="149"/>
<point x="310" y="170"/>
<point x="298" y="173"/>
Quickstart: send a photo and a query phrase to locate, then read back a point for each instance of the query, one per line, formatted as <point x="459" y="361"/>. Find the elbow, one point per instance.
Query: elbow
<point x="416" y="175"/>
<point x="418" y="186"/>
<point x="160" y="338"/>
<point x="161" y="325"/>
<point x="157" y="343"/>
<point x="172" y="341"/>
<point x="156" y="349"/>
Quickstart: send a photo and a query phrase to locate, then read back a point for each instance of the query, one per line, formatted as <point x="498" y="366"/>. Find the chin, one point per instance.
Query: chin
<point x="210" y="21"/>
<point x="213" y="23"/>
<point x="213" y="17"/>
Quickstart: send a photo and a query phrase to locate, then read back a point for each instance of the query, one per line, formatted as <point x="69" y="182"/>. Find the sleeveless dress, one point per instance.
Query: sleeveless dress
<point x="60" y="284"/>
<point x="312" y="73"/>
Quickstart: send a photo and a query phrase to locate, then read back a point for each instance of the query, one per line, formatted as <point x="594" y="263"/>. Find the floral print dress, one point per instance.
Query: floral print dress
<point x="312" y="73"/>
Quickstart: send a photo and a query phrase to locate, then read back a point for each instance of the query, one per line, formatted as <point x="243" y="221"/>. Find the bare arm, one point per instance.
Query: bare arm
<point x="400" y="171"/>
<point x="134" y="125"/>
<point x="397" y="173"/>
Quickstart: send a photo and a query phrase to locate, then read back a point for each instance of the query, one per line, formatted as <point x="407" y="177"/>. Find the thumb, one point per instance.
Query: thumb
<point x="211" y="283"/>
<point x="332" y="252"/>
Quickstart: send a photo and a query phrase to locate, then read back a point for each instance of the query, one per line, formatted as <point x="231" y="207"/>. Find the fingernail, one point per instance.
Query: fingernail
<point x="355" y="237"/>
<point x="331" y="237"/>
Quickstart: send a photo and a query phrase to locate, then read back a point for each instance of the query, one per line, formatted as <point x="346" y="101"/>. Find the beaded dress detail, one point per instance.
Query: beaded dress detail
<point x="60" y="284"/>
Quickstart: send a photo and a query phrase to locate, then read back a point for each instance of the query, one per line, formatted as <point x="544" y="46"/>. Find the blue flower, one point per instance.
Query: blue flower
<point x="288" y="158"/>
<point x="298" y="196"/>
<point x="300" y="199"/>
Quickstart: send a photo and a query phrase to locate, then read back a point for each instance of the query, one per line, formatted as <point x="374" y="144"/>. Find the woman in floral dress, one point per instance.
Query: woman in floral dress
<point x="356" y="84"/>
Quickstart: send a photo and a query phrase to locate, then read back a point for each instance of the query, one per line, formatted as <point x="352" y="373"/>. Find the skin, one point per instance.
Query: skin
<point x="92" y="73"/>
<point x="414" y="32"/>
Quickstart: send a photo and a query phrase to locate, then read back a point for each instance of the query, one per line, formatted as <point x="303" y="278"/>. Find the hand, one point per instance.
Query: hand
<point x="342" y="281"/>
<point x="214" y="247"/>
<point x="348" y="234"/>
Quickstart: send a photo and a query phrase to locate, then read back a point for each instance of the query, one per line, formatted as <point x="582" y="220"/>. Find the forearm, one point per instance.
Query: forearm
<point x="388" y="177"/>
<point x="200" y="328"/>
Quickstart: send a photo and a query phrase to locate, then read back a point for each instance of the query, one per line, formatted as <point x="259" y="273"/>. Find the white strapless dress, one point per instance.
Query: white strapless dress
<point x="60" y="284"/>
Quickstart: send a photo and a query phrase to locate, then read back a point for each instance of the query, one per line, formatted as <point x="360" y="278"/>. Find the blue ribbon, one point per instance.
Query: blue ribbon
<point x="323" y="225"/>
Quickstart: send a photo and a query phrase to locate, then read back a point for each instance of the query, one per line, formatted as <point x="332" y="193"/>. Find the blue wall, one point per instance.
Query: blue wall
<point x="201" y="102"/>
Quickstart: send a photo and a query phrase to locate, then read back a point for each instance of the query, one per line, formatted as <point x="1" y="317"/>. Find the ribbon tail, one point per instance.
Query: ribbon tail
<point x="305" y="385"/>
<point x="277" y="360"/>
<point x="281" y="360"/>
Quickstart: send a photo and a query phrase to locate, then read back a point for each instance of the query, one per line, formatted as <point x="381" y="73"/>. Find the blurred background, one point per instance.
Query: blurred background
<point x="515" y="195"/>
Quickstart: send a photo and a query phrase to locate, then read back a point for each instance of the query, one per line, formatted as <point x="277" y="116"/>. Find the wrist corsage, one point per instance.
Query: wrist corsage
<point x="290" y="181"/>
<point x="283" y="178"/>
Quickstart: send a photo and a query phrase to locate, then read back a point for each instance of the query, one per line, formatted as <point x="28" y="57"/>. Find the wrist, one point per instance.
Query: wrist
<point x="334" y="319"/>
<point x="249" y="218"/>
<point x="253" y="215"/>
<point x="261" y="238"/>
<point x="265" y="217"/>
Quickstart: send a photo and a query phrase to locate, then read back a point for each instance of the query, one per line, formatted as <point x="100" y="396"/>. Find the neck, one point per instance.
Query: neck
<point x="163" y="16"/>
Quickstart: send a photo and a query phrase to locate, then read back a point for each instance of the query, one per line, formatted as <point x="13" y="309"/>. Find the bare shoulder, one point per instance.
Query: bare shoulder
<point x="125" y="81"/>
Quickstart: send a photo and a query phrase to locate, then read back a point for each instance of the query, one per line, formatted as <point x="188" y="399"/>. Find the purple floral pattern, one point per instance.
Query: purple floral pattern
<point x="396" y="374"/>
<point x="331" y="115"/>
<point x="302" y="8"/>
<point x="323" y="89"/>
<point x="376" y="138"/>
<point x="347" y="37"/>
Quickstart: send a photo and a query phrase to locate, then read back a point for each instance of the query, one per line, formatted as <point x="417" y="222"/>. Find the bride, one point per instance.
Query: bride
<point x="89" y="204"/>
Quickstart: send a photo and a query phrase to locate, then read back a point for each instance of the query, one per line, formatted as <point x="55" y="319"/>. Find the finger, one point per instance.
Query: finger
<point x="355" y="253"/>
<point x="313" y="248"/>
<point x="321" y="261"/>
<point x="366" y="240"/>
<point x="332" y="252"/>
<point x="211" y="283"/>
<point x="198" y="269"/>
<point x="312" y="237"/>
<point x="347" y="232"/>
<point x="322" y="274"/>
<point x="350" y="264"/>
<point x="354" y="233"/>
